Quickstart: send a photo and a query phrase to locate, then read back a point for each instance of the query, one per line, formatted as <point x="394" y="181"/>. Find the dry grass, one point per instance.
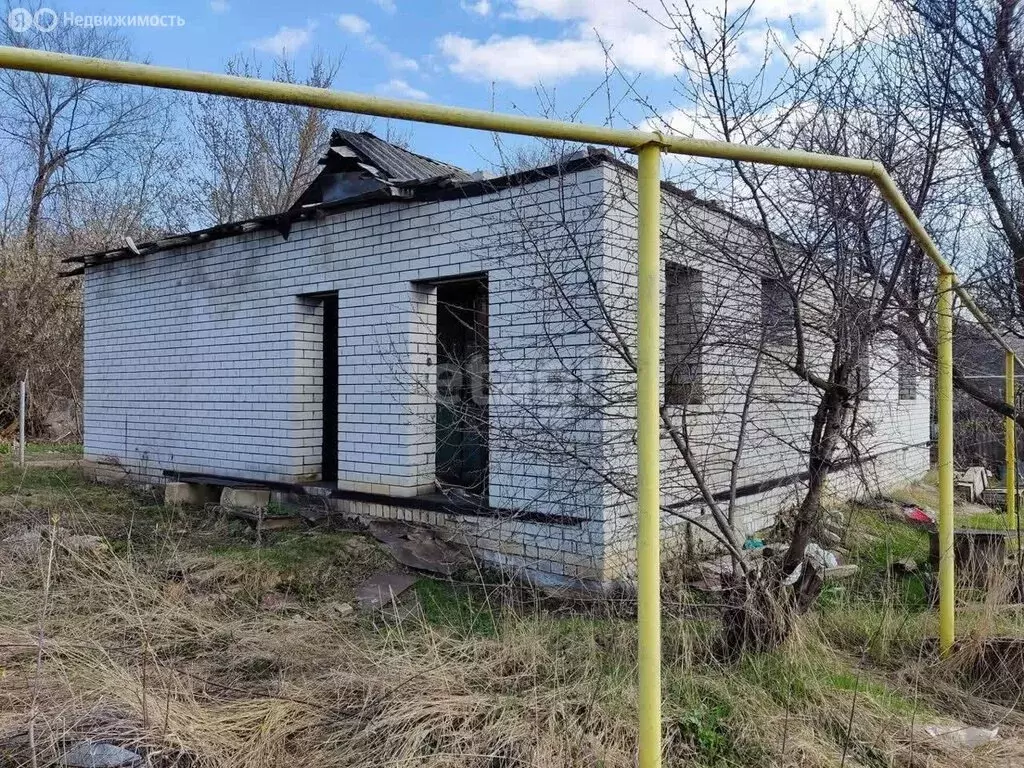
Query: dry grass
<point x="165" y="641"/>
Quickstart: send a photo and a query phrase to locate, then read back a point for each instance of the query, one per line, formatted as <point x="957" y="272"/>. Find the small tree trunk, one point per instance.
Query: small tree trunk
<point x="760" y="609"/>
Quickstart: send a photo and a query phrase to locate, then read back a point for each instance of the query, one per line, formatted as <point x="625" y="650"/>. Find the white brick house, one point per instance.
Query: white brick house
<point x="211" y="355"/>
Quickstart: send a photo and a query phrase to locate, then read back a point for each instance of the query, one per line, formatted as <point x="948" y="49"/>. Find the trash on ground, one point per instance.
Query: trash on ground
<point x="918" y="516"/>
<point x="98" y="754"/>
<point x="419" y="547"/>
<point x="820" y="557"/>
<point x="962" y="735"/>
<point x="903" y="566"/>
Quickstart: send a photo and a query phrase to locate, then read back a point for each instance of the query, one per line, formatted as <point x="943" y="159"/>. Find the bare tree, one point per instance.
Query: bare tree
<point x="822" y="255"/>
<point x="831" y="249"/>
<point x="70" y="132"/>
<point x="254" y="158"/>
<point x="976" y="48"/>
<point x="84" y="163"/>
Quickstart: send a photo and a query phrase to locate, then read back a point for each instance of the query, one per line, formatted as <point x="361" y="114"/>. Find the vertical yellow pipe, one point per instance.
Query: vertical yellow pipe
<point x="1011" y="448"/>
<point x="944" y="406"/>
<point x="648" y="449"/>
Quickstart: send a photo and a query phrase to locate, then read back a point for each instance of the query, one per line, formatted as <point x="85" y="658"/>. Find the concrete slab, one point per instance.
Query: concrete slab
<point x="245" y="498"/>
<point x="964" y="491"/>
<point x="970" y="483"/>
<point x="380" y="589"/>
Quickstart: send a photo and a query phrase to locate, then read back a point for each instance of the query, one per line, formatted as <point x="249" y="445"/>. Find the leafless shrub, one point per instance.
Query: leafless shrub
<point x="41" y="338"/>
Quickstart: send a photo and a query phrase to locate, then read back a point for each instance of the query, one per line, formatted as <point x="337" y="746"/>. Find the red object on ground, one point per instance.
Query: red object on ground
<point x="917" y="515"/>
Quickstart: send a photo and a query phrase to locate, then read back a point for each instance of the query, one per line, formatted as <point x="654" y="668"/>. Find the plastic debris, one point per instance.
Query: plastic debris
<point x="98" y="754"/>
<point x="753" y="543"/>
<point x="791" y="579"/>
<point x="821" y="557"/>
<point x="962" y="735"/>
<point x="918" y="516"/>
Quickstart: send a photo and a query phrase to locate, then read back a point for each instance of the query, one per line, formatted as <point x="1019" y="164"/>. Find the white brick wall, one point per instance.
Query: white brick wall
<point x="206" y="358"/>
<point x="781" y="410"/>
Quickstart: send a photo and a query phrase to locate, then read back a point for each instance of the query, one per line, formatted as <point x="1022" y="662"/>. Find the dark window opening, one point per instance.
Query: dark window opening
<point x="778" y="314"/>
<point x="859" y="328"/>
<point x="461" y="458"/>
<point x="906" y="363"/>
<point x="683" y="331"/>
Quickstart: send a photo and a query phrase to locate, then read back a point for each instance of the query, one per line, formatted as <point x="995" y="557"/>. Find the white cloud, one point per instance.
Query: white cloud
<point x="388" y="6"/>
<point x="634" y="33"/>
<point x="359" y="27"/>
<point x="355" y="25"/>
<point x="480" y="7"/>
<point x="287" y="40"/>
<point x="521" y="61"/>
<point x="684" y="122"/>
<point x="400" y="89"/>
<point x="219" y="6"/>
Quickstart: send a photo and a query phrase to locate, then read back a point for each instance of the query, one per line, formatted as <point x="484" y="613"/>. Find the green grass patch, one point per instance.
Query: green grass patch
<point x="705" y="727"/>
<point x="876" y="693"/>
<point x="14" y="479"/>
<point x="44" y="449"/>
<point x="876" y="541"/>
<point x="53" y="449"/>
<point x="464" y="610"/>
<point x="984" y="521"/>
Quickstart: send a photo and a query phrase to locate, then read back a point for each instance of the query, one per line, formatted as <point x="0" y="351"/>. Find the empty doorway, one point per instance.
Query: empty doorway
<point x="461" y="458"/>
<point x="329" y="391"/>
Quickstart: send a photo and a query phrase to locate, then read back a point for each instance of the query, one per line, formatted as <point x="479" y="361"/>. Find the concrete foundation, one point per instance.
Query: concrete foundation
<point x="245" y="498"/>
<point x="190" y="495"/>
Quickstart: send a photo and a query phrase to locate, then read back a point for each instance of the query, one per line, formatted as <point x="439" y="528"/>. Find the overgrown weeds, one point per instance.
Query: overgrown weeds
<point x="165" y="641"/>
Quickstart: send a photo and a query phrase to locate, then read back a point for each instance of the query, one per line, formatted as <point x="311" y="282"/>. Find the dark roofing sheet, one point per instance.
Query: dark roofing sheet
<point x="397" y="164"/>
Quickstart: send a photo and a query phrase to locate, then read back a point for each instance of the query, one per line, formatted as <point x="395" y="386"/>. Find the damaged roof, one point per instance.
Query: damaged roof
<point x="358" y="164"/>
<point x="360" y="168"/>
<point x="396" y="163"/>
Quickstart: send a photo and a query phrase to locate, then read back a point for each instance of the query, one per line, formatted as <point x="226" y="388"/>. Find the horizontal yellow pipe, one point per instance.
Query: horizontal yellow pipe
<point x="288" y="93"/>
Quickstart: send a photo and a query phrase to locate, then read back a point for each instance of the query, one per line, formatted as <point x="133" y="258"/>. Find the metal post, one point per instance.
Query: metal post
<point x="1011" y="447"/>
<point x="21" y="427"/>
<point x="944" y="407"/>
<point x="648" y="450"/>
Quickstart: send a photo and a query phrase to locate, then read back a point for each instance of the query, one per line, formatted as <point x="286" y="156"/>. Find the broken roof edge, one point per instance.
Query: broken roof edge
<point x="428" y="191"/>
<point x="390" y="157"/>
<point x="424" y="191"/>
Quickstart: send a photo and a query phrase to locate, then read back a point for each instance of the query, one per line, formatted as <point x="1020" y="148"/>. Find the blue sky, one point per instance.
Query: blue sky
<point x="478" y="53"/>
